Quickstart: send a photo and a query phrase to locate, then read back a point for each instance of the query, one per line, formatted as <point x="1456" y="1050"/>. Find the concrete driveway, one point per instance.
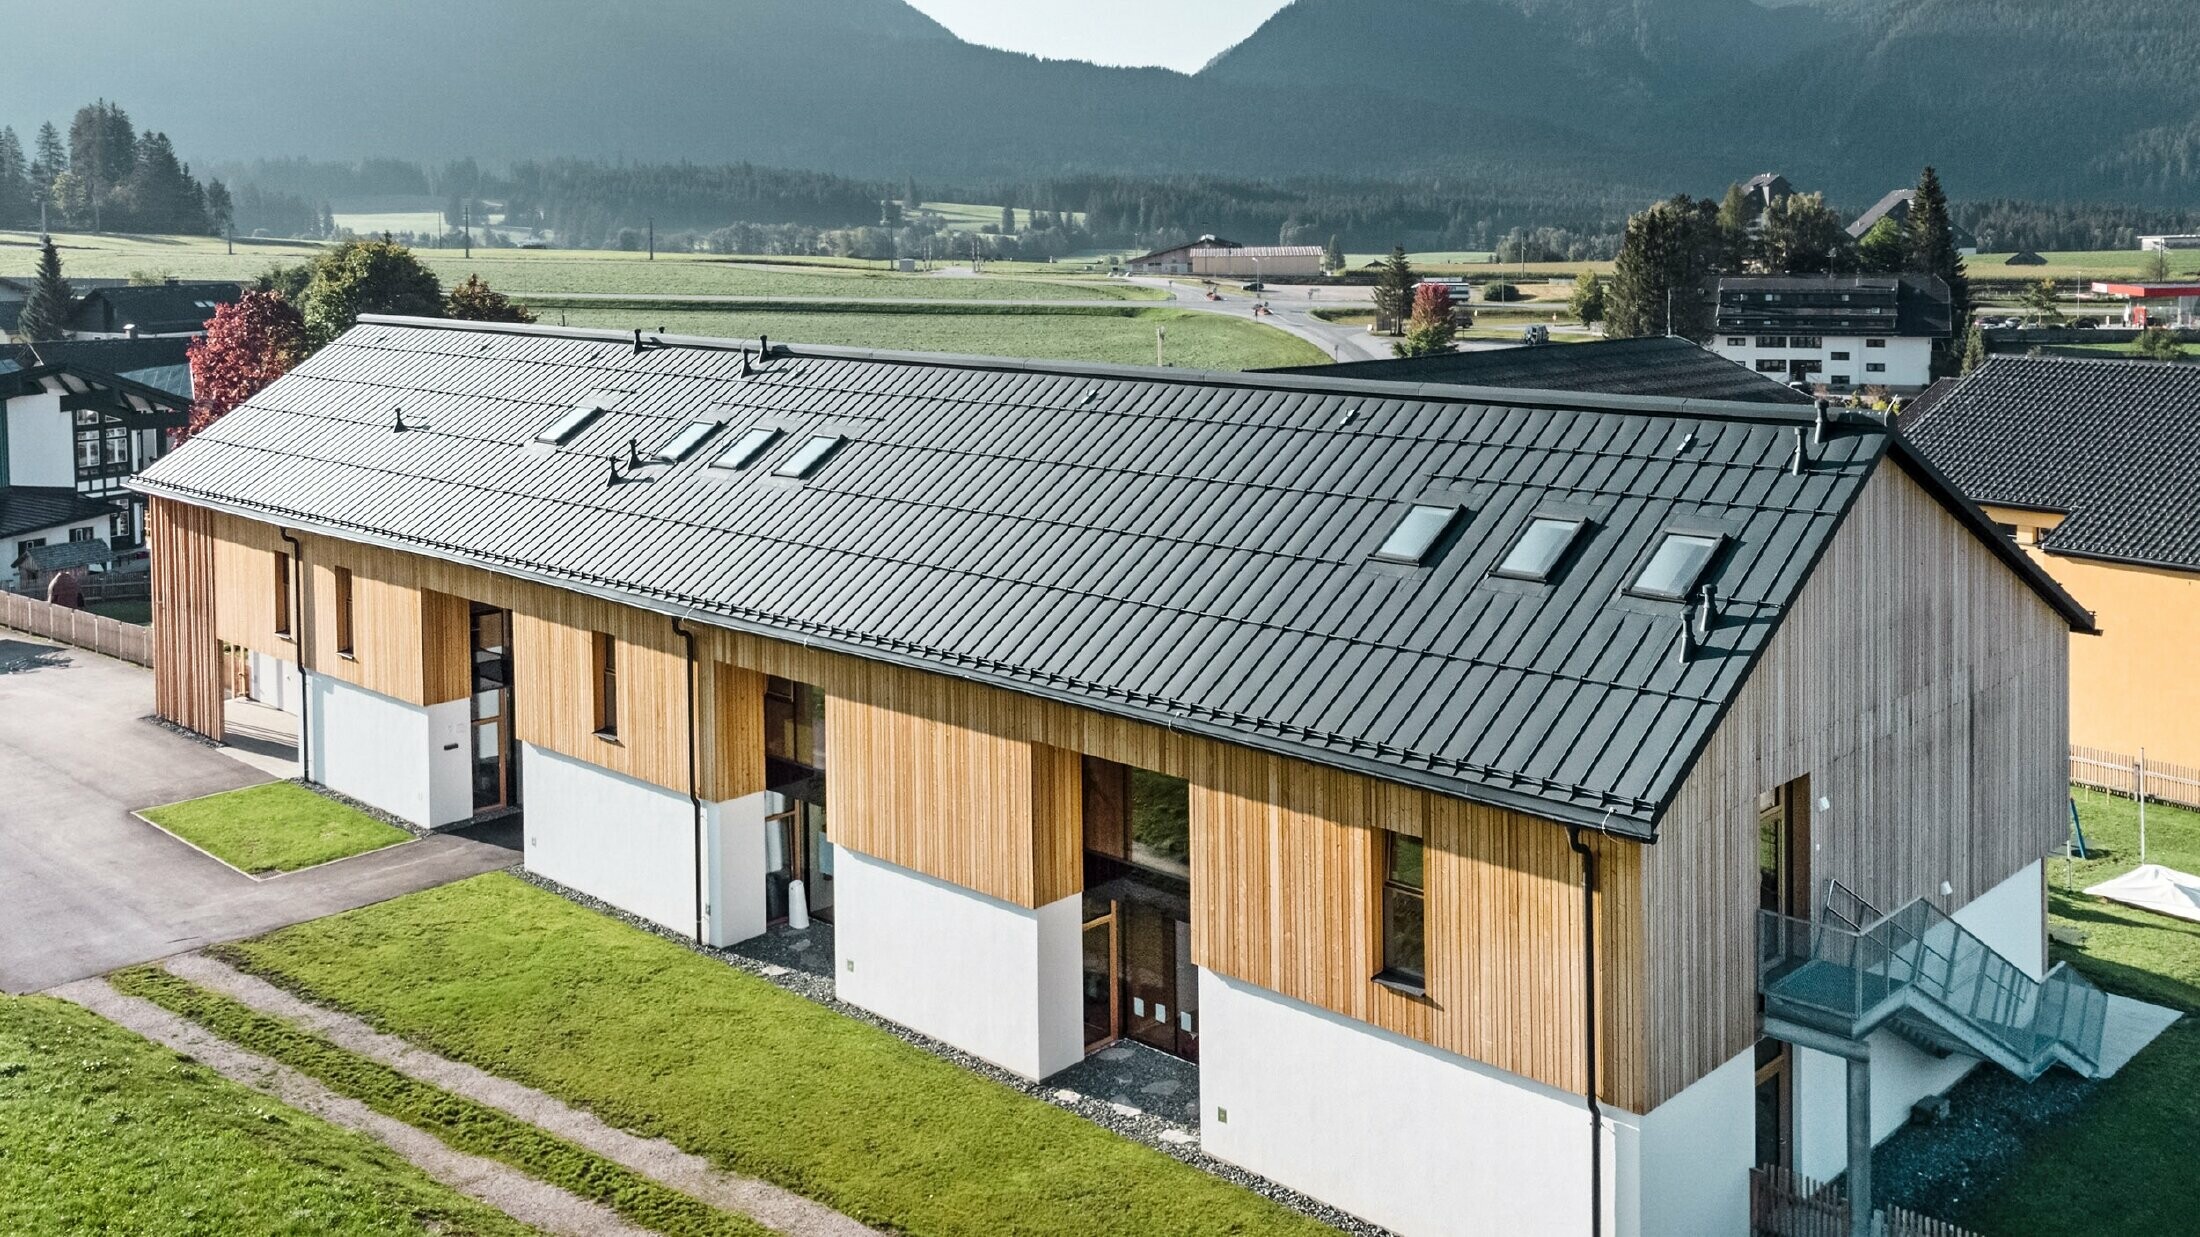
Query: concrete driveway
<point x="85" y="887"/>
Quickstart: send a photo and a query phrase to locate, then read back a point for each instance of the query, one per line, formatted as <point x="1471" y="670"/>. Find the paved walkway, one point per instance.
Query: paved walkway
<point x="531" y="1202"/>
<point x="655" y="1158"/>
<point x="86" y="888"/>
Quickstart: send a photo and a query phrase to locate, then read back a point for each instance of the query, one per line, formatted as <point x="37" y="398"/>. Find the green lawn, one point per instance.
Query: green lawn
<point x="525" y="272"/>
<point x="138" y="612"/>
<point x="2121" y="1164"/>
<point x="276" y="827"/>
<point x="104" y="1132"/>
<point x="1117" y="335"/>
<point x="460" y="1123"/>
<point x="658" y="1040"/>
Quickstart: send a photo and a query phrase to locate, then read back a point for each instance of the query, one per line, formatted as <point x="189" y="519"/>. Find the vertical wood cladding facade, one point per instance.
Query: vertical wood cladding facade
<point x="1917" y="682"/>
<point x="1923" y="689"/>
<point x="187" y="663"/>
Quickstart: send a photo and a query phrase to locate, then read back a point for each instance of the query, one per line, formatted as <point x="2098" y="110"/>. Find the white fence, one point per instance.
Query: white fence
<point x="1788" y="1204"/>
<point x="2135" y="776"/>
<point x="81" y="628"/>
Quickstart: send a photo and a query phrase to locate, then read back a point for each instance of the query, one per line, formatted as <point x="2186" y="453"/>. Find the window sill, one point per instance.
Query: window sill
<point x="610" y="736"/>
<point x="347" y="655"/>
<point x="284" y="635"/>
<point x="1404" y="985"/>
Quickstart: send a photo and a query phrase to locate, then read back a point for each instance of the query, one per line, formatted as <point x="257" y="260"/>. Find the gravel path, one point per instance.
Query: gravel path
<point x="510" y="1191"/>
<point x="769" y="1205"/>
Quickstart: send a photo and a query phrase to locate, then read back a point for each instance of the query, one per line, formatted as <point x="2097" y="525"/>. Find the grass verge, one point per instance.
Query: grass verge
<point x="102" y="1131"/>
<point x="2119" y="1164"/>
<point x="471" y="1127"/>
<point x="276" y="827"/>
<point x="658" y="1040"/>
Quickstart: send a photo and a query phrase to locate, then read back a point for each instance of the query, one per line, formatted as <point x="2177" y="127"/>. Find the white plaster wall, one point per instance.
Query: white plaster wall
<point x="736" y="857"/>
<point x="1420" y="1141"/>
<point x="275" y="683"/>
<point x="371" y="747"/>
<point x="2008" y="918"/>
<point x="41" y="442"/>
<point x="995" y="980"/>
<point x="612" y="837"/>
<point x="1694" y="1153"/>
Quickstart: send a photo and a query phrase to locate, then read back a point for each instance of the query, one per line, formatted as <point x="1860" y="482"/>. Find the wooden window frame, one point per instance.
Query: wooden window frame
<point x="286" y="601"/>
<point x="346" y="634"/>
<point x="604" y="675"/>
<point x="1390" y="891"/>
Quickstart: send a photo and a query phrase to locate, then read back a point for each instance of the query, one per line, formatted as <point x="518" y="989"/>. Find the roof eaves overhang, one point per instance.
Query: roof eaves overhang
<point x="1610" y="820"/>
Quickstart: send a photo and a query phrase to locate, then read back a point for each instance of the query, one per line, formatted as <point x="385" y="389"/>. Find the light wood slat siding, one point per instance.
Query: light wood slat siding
<point x="1923" y="688"/>
<point x="187" y="675"/>
<point x="1286" y="872"/>
<point x="999" y="815"/>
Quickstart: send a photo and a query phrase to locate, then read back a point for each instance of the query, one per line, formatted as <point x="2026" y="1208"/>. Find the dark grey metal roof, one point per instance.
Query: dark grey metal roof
<point x="1656" y="365"/>
<point x="35" y="508"/>
<point x="1191" y="550"/>
<point x="164" y="308"/>
<point x="1894" y="305"/>
<point x="2114" y="444"/>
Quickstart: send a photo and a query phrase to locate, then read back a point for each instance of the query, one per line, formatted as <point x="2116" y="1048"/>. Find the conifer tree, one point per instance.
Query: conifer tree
<point x="45" y="313"/>
<point x="1932" y="249"/>
<point x="15" y="185"/>
<point x="1662" y="275"/>
<point x="1333" y="255"/>
<point x="1394" y="289"/>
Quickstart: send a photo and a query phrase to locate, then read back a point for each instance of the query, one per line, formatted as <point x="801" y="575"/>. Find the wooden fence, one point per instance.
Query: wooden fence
<point x="81" y="628"/>
<point x="1788" y="1204"/>
<point x="2122" y="774"/>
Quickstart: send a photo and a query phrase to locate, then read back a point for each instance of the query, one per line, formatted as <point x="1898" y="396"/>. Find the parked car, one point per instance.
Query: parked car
<point x="1536" y="334"/>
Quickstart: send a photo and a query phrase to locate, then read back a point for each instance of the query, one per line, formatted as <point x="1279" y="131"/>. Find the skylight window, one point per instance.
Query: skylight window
<point x="1676" y="566"/>
<point x="746" y="448"/>
<point x="1417" y="534"/>
<point x="685" y="442"/>
<point x="812" y="454"/>
<point x="1542" y="546"/>
<point x="564" y="428"/>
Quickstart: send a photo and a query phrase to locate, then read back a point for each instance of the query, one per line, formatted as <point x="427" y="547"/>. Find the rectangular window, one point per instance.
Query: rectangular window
<point x="1840" y="356"/>
<point x="1774" y="366"/>
<point x="1806" y="341"/>
<point x="1875" y="367"/>
<point x="118" y="447"/>
<point x="87" y="451"/>
<point x="606" y="678"/>
<point x="1875" y="343"/>
<point x="1405" y="913"/>
<point x="1839" y="380"/>
<point x="282" y="595"/>
<point x="2007" y="530"/>
<point x="1772" y="341"/>
<point x="25" y="547"/>
<point x="344" y="646"/>
<point x="83" y="534"/>
<point x="1737" y="341"/>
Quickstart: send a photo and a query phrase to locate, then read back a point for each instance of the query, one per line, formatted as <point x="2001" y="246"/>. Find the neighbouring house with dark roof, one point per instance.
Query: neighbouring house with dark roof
<point x="66" y="423"/>
<point x="1421" y="767"/>
<point x="1896" y="206"/>
<point x="2093" y="469"/>
<point x="1657" y="365"/>
<point x="1177" y="259"/>
<point x="35" y="516"/>
<point x="1835" y="333"/>
<point x="170" y="308"/>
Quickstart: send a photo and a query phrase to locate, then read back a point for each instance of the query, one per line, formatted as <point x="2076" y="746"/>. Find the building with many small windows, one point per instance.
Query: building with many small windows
<point x="1835" y="333"/>
<point x="1423" y="768"/>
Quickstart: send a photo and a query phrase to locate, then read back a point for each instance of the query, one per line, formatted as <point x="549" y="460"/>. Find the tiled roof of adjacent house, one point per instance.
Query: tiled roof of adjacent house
<point x="62" y="555"/>
<point x="167" y="308"/>
<point x="35" y="508"/>
<point x="1652" y="366"/>
<point x="2115" y="444"/>
<point x="1196" y="551"/>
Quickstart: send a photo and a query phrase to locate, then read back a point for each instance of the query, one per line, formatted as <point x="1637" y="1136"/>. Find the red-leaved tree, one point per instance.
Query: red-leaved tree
<point x="247" y="345"/>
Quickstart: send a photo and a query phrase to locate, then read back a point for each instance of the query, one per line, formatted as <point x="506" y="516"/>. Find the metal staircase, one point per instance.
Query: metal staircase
<point x="1924" y="976"/>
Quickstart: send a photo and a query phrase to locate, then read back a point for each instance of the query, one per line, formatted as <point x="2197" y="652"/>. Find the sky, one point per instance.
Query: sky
<point x="1180" y="34"/>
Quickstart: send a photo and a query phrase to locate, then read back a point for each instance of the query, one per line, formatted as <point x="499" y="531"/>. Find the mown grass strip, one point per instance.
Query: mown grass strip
<point x="463" y="1124"/>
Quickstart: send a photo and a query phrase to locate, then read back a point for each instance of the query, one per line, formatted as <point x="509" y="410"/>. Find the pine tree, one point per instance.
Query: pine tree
<point x="47" y="165"/>
<point x="1394" y="289"/>
<point x="1974" y="349"/>
<point x="1008" y="221"/>
<point x="1662" y="276"/>
<point x="1737" y="228"/>
<point x="1333" y="255"/>
<point x="1932" y="247"/>
<point x="909" y="198"/>
<point x="15" y="186"/>
<point x="45" y="313"/>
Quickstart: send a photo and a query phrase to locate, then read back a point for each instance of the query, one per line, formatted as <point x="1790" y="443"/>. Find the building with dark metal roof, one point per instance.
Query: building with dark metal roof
<point x="1896" y="206"/>
<point x="2093" y="468"/>
<point x="1656" y="365"/>
<point x="171" y="308"/>
<point x="1834" y="333"/>
<point x="1334" y="705"/>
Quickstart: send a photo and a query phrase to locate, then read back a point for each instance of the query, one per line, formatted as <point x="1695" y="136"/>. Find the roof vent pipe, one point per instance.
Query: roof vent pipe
<point x="1818" y="428"/>
<point x="763" y="349"/>
<point x="633" y="454"/>
<point x="400" y="427"/>
<point x="1799" y="461"/>
<point x="1686" y="648"/>
<point x="1707" y="613"/>
<point x="614" y="478"/>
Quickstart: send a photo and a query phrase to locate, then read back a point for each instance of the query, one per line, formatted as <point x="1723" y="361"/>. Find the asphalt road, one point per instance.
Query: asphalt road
<point x="85" y="887"/>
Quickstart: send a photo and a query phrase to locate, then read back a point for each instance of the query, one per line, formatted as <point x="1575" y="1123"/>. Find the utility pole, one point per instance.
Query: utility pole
<point x="1160" y="339"/>
<point x="230" y="229"/>
<point x="466" y="226"/>
<point x="653" y="238"/>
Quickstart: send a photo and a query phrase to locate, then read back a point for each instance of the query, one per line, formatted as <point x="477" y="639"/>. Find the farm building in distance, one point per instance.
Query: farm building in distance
<point x="1177" y="259"/>
<point x="1836" y="332"/>
<point x="2087" y="465"/>
<point x="1257" y="261"/>
<point x="1414" y="770"/>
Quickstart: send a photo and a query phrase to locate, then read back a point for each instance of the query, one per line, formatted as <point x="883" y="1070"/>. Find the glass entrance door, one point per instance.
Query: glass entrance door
<point x="1103" y="976"/>
<point x="495" y="746"/>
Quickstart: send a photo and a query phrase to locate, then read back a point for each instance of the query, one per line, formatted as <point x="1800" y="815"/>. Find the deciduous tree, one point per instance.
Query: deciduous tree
<point x="2156" y="344"/>
<point x="45" y="313"/>
<point x="1588" y="304"/>
<point x="1884" y="250"/>
<point x="1801" y="235"/>
<point x="2154" y="266"/>
<point x="367" y="277"/>
<point x="1433" y="329"/>
<point x="2044" y="300"/>
<point x="1661" y="279"/>
<point x="1974" y="348"/>
<point x="475" y="301"/>
<point x="247" y="345"/>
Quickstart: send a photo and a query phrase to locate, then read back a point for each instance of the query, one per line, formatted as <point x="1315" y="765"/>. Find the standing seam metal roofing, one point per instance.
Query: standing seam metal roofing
<point x="1190" y="550"/>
